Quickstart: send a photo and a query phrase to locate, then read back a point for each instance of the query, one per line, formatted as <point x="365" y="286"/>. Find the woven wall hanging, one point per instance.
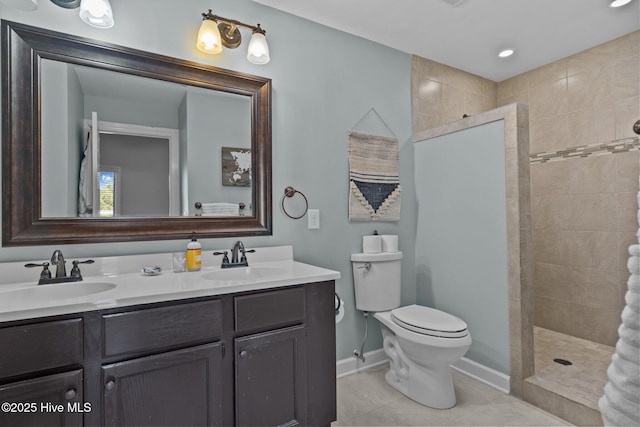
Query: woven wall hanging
<point x="374" y="183"/>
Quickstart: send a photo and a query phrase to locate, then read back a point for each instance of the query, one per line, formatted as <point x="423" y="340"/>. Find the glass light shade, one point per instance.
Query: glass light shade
<point x="258" y="52"/>
<point x="97" y="13"/>
<point x="618" y="3"/>
<point x="209" y="40"/>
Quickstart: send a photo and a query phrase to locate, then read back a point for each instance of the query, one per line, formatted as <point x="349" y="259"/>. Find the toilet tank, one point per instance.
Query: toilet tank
<point x="377" y="280"/>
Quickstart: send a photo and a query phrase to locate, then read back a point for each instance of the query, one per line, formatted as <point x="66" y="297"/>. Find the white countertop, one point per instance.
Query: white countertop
<point x="269" y="271"/>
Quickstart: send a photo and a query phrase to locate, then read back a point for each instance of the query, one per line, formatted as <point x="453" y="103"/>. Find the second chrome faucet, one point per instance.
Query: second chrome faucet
<point x="237" y="260"/>
<point x="58" y="260"/>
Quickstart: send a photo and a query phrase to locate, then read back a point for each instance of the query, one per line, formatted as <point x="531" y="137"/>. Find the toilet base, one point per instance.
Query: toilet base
<point x="430" y="386"/>
<point x="420" y="364"/>
<point x="434" y="391"/>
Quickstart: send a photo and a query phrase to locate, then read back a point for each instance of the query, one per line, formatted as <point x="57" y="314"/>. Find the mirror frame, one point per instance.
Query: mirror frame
<point x="23" y="47"/>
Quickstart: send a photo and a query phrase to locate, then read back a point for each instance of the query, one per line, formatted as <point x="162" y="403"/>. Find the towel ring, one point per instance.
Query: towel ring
<point x="290" y="192"/>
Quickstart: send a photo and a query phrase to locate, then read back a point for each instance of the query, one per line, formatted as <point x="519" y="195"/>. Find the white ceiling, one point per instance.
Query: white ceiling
<point x="470" y="35"/>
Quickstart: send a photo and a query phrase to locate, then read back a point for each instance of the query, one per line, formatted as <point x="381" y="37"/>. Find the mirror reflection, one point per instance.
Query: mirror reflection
<point x="45" y="139"/>
<point x="119" y="145"/>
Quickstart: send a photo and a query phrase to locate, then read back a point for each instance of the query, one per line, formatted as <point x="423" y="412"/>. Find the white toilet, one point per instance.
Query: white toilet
<point x="421" y="342"/>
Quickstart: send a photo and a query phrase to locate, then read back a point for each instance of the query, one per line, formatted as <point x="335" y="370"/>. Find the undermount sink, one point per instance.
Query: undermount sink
<point x="58" y="291"/>
<point x="244" y="274"/>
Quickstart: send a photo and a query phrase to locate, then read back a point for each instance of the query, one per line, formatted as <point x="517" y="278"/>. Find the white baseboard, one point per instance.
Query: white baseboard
<point x="352" y="365"/>
<point x="484" y="374"/>
<point x="475" y="370"/>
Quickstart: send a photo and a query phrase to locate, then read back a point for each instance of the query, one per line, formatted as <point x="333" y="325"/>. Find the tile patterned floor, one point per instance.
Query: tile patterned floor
<point x="584" y="380"/>
<point x="365" y="399"/>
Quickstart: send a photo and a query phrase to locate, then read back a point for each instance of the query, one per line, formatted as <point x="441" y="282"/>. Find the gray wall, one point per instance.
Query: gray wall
<point x="134" y="113"/>
<point x="324" y="81"/>
<point x="213" y="122"/>
<point x="61" y="135"/>
<point x="144" y="172"/>
<point x="461" y="248"/>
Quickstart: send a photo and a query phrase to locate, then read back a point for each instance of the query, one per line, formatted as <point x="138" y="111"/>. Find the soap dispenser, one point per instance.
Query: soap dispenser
<point x="194" y="254"/>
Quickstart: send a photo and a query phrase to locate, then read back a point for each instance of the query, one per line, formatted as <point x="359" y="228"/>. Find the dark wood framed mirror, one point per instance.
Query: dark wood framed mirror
<point x="24" y="48"/>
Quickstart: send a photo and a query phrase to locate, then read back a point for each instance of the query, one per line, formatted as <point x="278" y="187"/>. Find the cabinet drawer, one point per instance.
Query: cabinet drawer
<point x="162" y="327"/>
<point x="269" y="309"/>
<point x="40" y="346"/>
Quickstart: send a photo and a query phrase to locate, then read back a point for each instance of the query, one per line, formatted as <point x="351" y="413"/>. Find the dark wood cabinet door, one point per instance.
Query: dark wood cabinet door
<point x="53" y="400"/>
<point x="271" y="378"/>
<point x="177" y="388"/>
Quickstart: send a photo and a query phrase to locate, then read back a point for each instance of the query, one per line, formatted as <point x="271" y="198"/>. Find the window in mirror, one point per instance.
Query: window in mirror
<point x="108" y="193"/>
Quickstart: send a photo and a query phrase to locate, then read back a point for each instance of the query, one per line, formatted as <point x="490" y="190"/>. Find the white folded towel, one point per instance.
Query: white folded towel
<point x="634" y="283"/>
<point x="611" y="417"/>
<point x="619" y="401"/>
<point x="628" y="352"/>
<point x="629" y="335"/>
<point x="220" y="209"/>
<point x="623" y="381"/>
<point x="633" y="264"/>
<point x="633" y="300"/>
<point x="625" y="368"/>
<point x="620" y="405"/>
<point x="631" y="319"/>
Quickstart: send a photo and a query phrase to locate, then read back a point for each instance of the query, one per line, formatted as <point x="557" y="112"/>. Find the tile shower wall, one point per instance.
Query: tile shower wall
<point x="583" y="209"/>
<point x="583" y="220"/>
<point x="441" y="94"/>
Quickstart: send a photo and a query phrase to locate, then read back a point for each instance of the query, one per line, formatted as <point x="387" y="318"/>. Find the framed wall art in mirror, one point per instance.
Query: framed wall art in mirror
<point x="55" y="85"/>
<point x="236" y="167"/>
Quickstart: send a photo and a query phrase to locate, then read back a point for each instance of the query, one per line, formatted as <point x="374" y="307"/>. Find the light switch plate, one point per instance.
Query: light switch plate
<point x="314" y="219"/>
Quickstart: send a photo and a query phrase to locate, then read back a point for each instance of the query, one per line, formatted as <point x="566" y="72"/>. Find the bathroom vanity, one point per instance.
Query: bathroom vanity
<point x="258" y="356"/>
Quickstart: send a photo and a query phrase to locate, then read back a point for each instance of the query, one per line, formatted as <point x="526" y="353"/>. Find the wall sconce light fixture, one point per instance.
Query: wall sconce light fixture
<point x="217" y="31"/>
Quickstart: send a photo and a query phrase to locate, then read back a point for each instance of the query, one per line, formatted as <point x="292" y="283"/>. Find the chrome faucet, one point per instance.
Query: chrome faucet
<point x="237" y="247"/>
<point x="236" y="259"/>
<point x="57" y="259"/>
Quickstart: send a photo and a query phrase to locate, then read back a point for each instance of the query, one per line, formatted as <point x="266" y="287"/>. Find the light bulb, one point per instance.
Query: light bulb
<point x="209" y="40"/>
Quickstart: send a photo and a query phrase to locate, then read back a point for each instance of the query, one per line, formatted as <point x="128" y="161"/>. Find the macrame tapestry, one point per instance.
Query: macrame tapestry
<point x="374" y="193"/>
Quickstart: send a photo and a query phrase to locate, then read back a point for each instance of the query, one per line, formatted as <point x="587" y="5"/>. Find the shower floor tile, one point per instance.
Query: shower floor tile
<point x="584" y="380"/>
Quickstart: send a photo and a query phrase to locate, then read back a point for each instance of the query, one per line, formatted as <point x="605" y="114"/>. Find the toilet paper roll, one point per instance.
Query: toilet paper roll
<point x="371" y="244"/>
<point x="389" y="243"/>
<point x="340" y="309"/>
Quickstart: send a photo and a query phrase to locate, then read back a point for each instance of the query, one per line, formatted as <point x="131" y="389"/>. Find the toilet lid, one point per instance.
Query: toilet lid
<point x="429" y="321"/>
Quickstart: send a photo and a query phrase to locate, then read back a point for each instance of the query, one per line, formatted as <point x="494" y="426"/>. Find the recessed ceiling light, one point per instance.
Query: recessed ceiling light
<point x="618" y="3"/>
<point x="506" y="53"/>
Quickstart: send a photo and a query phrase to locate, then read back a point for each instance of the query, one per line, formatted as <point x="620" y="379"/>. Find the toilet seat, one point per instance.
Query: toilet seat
<point x="429" y="321"/>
